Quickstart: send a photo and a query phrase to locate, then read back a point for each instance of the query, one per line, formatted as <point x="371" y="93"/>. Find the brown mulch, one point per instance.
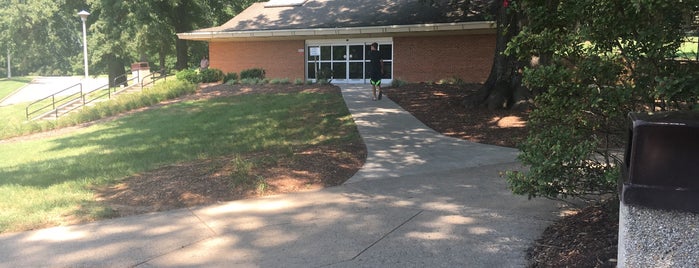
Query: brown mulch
<point x="585" y="239"/>
<point x="440" y="108"/>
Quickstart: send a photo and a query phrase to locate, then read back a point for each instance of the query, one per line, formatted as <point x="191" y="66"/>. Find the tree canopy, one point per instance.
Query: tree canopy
<point x="45" y="37"/>
<point x="592" y="62"/>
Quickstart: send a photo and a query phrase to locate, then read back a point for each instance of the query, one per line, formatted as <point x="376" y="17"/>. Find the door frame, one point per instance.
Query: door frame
<point x="364" y="42"/>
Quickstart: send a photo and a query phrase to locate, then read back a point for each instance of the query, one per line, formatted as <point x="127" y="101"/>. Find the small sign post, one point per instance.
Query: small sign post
<point x="315" y="52"/>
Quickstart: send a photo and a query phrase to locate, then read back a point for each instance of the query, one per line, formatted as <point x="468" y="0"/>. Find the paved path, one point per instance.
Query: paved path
<point x="42" y="87"/>
<point x="421" y="200"/>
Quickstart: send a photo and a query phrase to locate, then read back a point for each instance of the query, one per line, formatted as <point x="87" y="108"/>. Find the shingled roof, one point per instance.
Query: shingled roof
<point x="280" y="18"/>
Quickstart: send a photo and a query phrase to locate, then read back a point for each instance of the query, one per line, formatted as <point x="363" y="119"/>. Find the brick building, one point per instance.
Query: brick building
<point x="295" y="38"/>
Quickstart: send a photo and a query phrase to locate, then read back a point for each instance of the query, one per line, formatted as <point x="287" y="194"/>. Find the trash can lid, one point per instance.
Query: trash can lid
<point x="686" y="118"/>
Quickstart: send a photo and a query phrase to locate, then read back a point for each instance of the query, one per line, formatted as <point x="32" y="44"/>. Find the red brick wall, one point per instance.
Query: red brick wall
<point x="431" y="58"/>
<point x="416" y="59"/>
<point x="280" y="59"/>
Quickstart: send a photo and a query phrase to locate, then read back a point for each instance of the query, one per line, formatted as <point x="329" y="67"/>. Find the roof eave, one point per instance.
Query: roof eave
<point x="318" y="32"/>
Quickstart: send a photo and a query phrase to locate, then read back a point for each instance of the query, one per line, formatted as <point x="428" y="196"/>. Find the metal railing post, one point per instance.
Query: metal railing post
<point x="53" y="102"/>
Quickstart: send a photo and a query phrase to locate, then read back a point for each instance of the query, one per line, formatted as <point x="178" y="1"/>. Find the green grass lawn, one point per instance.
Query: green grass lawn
<point x="45" y="181"/>
<point x="8" y="86"/>
<point x="688" y="49"/>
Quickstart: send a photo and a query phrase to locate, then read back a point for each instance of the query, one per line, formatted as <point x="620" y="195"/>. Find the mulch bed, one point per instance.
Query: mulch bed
<point x="440" y="107"/>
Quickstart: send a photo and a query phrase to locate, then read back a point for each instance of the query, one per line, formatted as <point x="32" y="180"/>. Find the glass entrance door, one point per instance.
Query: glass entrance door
<point x="344" y="63"/>
<point x="355" y="64"/>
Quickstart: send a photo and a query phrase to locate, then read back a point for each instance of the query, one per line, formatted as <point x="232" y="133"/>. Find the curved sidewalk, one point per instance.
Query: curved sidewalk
<point x="421" y="200"/>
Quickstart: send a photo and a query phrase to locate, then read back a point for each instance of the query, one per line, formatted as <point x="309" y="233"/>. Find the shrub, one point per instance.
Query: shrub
<point x="253" y="81"/>
<point x="211" y="75"/>
<point x="325" y="74"/>
<point x="298" y="81"/>
<point x="230" y="77"/>
<point x="577" y="129"/>
<point x="451" y="81"/>
<point x="398" y="83"/>
<point x="323" y="82"/>
<point x="166" y="90"/>
<point x="278" y="81"/>
<point x="258" y="73"/>
<point x="189" y="75"/>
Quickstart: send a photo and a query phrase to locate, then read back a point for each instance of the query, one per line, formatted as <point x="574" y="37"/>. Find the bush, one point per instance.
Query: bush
<point x="298" y="81"/>
<point x="258" y="73"/>
<point x="451" y="81"/>
<point x="282" y="81"/>
<point x="230" y="77"/>
<point x="398" y="83"/>
<point x="189" y="75"/>
<point x="166" y="90"/>
<point x="211" y="75"/>
<point x="325" y="74"/>
<point x="253" y="81"/>
<point x="577" y="129"/>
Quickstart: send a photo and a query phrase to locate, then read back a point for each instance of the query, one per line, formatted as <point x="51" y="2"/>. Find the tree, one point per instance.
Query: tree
<point x="503" y="88"/>
<point x="189" y="15"/>
<point x="42" y="35"/>
<point x="604" y="60"/>
<point x="152" y="25"/>
<point x="45" y="37"/>
<point x="109" y="39"/>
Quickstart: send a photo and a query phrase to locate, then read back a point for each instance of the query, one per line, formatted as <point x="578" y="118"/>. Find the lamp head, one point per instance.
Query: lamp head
<point x="83" y="15"/>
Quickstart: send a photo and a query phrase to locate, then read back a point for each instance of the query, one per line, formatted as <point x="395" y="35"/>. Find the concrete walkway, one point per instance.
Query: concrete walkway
<point x="421" y="200"/>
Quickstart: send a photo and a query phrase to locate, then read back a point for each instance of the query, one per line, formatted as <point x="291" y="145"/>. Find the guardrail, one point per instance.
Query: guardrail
<point x="162" y="74"/>
<point x="55" y="105"/>
<point x="78" y="99"/>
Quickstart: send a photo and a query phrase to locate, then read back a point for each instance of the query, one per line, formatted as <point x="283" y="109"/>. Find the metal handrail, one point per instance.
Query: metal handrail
<point x="84" y="98"/>
<point x="162" y="75"/>
<point x="53" y="101"/>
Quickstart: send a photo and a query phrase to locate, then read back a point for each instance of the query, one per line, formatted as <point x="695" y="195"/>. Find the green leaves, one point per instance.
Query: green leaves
<point x="597" y="61"/>
<point x="45" y="37"/>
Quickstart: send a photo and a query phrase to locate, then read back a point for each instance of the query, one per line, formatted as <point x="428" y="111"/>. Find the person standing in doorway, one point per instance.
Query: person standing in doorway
<point x="375" y="70"/>
<point x="204" y="63"/>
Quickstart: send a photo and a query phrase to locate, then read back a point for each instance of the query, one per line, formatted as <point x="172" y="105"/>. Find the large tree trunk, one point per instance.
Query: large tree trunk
<point x="115" y="70"/>
<point x="503" y="89"/>
<point x="181" y="26"/>
<point x="182" y="54"/>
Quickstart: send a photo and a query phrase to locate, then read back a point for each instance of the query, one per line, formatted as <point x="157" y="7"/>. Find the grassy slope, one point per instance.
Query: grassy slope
<point x="44" y="182"/>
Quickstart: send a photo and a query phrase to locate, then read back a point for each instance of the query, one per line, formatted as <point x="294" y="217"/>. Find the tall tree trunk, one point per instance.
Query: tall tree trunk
<point x="503" y="89"/>
<point x="182" y="54"/>
<point x="115" y="70"/>
<point x="181" y="25"/>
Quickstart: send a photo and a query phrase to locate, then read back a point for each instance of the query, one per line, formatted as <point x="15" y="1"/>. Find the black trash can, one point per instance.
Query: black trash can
<point x="661" y="162"/>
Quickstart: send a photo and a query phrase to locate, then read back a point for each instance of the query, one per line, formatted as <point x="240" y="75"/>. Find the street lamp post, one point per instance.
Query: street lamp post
<point x="83" y="16"/>
<point x="9" y="65"/>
